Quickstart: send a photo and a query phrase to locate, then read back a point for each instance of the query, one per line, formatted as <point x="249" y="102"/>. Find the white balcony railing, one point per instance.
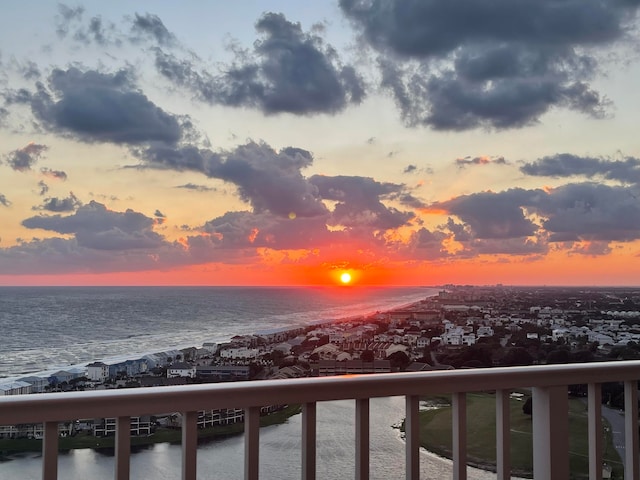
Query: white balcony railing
<point x="550" y="413"/>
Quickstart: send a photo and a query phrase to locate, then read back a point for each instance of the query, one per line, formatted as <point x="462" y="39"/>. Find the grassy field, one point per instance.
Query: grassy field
<point x="161" y="435"/>
<point x="436" y="435"/>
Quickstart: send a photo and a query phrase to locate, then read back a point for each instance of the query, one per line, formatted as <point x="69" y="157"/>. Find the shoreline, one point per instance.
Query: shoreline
<point x="131" y="356"/>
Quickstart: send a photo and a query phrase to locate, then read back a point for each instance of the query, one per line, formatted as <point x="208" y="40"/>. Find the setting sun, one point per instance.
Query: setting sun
<point x="345" y="278"/>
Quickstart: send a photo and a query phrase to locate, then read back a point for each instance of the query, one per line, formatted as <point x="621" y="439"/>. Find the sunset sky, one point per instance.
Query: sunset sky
<point x="416" y="142"/>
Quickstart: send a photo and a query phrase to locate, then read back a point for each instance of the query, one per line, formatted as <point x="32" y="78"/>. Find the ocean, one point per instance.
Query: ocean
<point x="46" y="329"/>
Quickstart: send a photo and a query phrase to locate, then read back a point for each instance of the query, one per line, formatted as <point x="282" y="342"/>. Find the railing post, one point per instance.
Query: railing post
<point x="362" y="439"/>
<point x="503" y="435"/>
<point x="594" y="402"/>
<point x="631" y="467"/>
<point x="189" y="445"/>
<point x="459" y="426"/>
<point x="251" y="443"/>
<point x="123" y="447"/>
<point x="50" y="451"/>
<point x="412" y="437"/>
<point x="309" y="441"/>
<point x="550" y="433"/>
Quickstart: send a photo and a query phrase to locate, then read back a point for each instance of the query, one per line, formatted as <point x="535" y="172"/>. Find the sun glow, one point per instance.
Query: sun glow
<point x="345" y="278"/>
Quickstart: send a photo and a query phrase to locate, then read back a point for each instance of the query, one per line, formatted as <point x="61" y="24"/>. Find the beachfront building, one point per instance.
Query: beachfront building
<point x="98" y="371"/>
<point x="38" y="384"/>
<point x="181" y="369"/>
<point x="130" y="368"/>
<point x="64" y="376"/>
<point x="275" y="335"/>
<point x="162" y="359"/>
<point x="243" y="353"/>
<point x="17" y="387"/>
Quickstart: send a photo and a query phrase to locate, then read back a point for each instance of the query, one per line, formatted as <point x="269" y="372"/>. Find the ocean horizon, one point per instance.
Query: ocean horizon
<point x="52" y="328"/>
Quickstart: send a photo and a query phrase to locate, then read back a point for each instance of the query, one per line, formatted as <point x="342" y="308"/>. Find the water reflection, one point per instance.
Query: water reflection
<point x="279" y="452"/>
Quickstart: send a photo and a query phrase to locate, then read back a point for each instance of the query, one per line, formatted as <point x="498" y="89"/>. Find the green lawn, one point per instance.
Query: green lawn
<point x="435" y="435"/>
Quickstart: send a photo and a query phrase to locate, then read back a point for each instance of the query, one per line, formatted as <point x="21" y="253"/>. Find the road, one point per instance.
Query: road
<point x="616" y="420"/>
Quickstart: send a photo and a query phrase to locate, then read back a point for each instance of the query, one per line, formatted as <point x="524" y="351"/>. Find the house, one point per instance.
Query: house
<point x="239" y="352"/>
<point x="224" y="372"/>
<point x="396" y="348"/>
<point x="280" y="334"/>
<point x="17" y="387"/>
<point x="485" y="331"/>
<point x="38" y="384"/>
<point x="98" y="371"/>
<point x="130" y="368"/>
<point x="211" y="347"/>
<point x="63" y="376"/>
<point x="326" y="352"/>
<point x="181" y="369"/>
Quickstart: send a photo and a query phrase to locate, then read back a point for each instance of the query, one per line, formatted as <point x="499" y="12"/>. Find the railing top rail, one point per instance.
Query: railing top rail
<point x="156" y="400"/>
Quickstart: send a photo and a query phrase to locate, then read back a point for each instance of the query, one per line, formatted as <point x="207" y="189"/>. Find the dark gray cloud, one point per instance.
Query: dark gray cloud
<point x="582" y="212"/>
<point x="237" y="230"/>
<point x="482" y="160"/>
<point x="67" y="15"/>
<point x="198" y="188"/>
<point x="58" y="205"/>
<point x="59" y="255"/>
<point x="496" y="63"/>
<point x="102" y="107"/>
<point x="4" y="201"/>
<point x="57" y="174"/>
<point x="591" y="211"/>
<point x="427" y="245"/>
<point x="28" y="69"/>
<point x="567" y="165"/>
<point x="150" y="25"/>
<point x="508" y="246"/>
<point x="269" y="180"/>
<point x="359" y="201"/>
<point x="96" y="227"/>
<point x="70" y="23"/>
<point x="21" y="96"/>
<point x="409" y="169"/>
<point x="494" y="216"/>
<point x="24" y="158"/>
<point x="288" y="70"/>
<point x="44" y="188"/>
<point x="159" y="214"/>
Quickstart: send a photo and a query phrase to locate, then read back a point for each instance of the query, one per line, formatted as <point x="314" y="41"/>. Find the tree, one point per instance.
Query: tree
<point x="558" y="356"/>
<point x="517" y="356"/>
<point x="399" y="360"/>
<point x="527" y="407"/>
<point x="367" y="356"/>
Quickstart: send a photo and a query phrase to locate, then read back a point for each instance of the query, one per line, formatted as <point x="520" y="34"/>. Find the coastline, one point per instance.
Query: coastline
<point x="75" y="367"/>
